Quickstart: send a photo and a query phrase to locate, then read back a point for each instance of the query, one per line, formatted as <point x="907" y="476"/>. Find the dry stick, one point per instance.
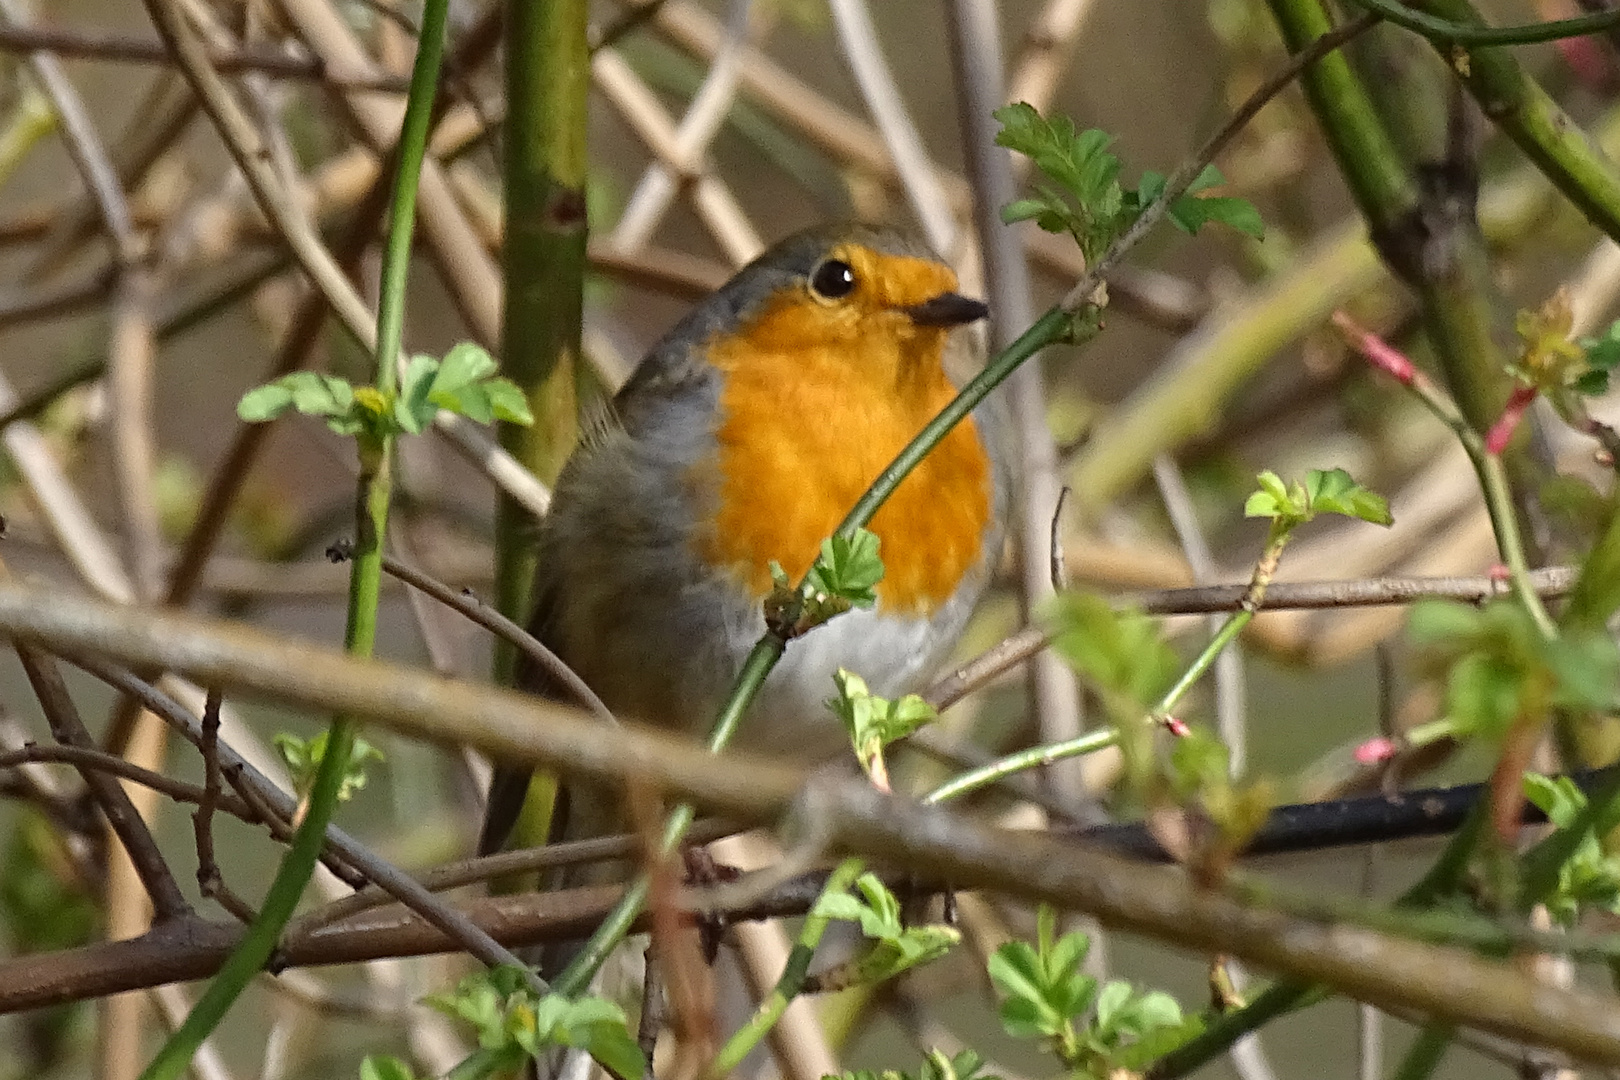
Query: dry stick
<point x="124" y="48"/>
<point x="919" y="180"/>
<point x="496" y="623"/>
<point x="122" y="817"/>
<point x="130" y="350"/>
<point x="299" y="339"/>
<point x="131" y="344"/>
<point x="642" y="109"/>
<point x="1047" y="50"/>
<point x="79" y="757"/>
<point x="471" y="275"/>
<point x="168" y="109"/>
<point x="1550" y="582"/>
<point x="980" y="80"/>
<point x="690" y="140"/>
<point x="248" y="151"/>
<point x="506" y="863"/>
<point x="209" y="879"/>
<point x="282" y="805"/>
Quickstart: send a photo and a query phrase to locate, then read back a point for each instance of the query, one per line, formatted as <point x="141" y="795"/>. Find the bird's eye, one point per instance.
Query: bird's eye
<point x="833" y="280"/>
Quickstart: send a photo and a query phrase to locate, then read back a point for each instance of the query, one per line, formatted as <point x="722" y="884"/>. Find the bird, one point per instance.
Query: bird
<point x="743" y="438"/>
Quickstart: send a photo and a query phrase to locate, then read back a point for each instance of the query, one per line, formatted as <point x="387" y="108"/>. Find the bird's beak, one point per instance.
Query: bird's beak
<point x="947" y="309"/>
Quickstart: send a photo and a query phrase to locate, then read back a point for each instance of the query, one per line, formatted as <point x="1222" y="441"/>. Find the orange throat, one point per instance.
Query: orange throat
<point x="805" y="430"/>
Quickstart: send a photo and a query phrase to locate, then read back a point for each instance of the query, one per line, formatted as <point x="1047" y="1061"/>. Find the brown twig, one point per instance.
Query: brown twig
<point x="87" y="44"/>
<point x="167" y="900"/>
<point x="209" y="879"/>
<point x="340" y="847"/>
<point x="91" y="758"/>
<point x="1550" y="582"/>
<point x="496" y="623"/>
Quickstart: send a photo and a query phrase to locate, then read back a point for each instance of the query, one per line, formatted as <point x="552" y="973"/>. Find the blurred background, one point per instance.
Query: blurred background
<point x="716" y="128"/>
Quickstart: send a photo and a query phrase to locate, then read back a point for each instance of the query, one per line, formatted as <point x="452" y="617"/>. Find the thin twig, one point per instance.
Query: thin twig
<point x="1550" y="582"/>
<point x="88" y="44"/>
<point x="496" y="623"/>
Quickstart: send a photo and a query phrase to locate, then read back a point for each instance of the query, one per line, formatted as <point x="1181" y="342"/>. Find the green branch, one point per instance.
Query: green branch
<point x="371" y="512"/>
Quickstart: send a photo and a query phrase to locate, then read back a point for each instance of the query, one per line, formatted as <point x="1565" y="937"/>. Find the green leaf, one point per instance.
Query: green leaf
<point x="1557" y="797"/>
<point x="1586" y="668"/>
<point x="382" y="1067"/>
<point x="506" y="400"/>
<point x="1591" y="383"/>
<point x="413" y="412"/>
<point x="1262" y="504"/>
<point x="873" y="722"/>
<point x="848" y="569"/>
<point x="303" y="760"/>
<point x="1334" y="491"/>
<point x="465" y="364"/>
<point x="264" y="403"/>
<point x="1110" y="1001"/>
<point x="1435" y="621"/>
<point x="1273" y="500"/>
<point x="1122" y="653"/>
<point x="1192" y="211"/>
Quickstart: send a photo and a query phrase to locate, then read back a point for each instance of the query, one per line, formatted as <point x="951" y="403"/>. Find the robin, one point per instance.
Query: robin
<point x="744" y="437"/>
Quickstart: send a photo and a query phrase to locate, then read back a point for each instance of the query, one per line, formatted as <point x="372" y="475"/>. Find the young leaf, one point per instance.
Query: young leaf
<point x="383" y="1067"/>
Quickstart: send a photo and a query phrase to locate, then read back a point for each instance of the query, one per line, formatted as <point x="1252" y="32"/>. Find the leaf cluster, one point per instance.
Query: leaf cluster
<point x="1551" y="362"/>
<point x="967" y="1065"/>
<point x="874" y="722"/>
<point x="512" y="1025"/>
<point x="1589" y="877"/>
<point x="1499" y="668"/>
<point x="464" y="382"/>
<point x="1120" y="652"/>
<point x="1200" y="774"/>
<point x="844" y="576"/>
<point x="303" y="760"/>
<point x="896" y="947"/>
<point x="1325" y="491"/>
<point x="1094" y="1030"/>
<point x="1085" y="197"/>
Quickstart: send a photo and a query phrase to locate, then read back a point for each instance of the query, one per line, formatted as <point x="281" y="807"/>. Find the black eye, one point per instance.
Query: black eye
<point x="833" y="279"/>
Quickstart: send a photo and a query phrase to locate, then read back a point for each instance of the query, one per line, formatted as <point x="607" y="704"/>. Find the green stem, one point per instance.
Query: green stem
<point x="1276" y="1000"/>
<point x="371" y="519"/>
<point x="1529" y="116"/>
<point x="1425" y="1054"/>
<point x="543" y="267"/>
<point x="1383" y="189"/>
<point x="1054" y="326"/>
<point x="1509" y="541"/>
<point x="1445" y="32"/>
<point x="787" y="987"/>
<point x="1033" y="758"/>
<point x="1230" y="629"/>
<point x="612" y="930"/>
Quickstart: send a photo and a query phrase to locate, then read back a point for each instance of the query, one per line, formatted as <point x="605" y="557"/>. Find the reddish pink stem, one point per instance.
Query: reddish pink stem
<point x="1378" y="352"/>
<point x="1375" y="750"/>
<point x="1501" y="432"/>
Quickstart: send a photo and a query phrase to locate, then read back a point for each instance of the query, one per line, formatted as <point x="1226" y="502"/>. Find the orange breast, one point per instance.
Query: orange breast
<point x="804" y="430"/>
